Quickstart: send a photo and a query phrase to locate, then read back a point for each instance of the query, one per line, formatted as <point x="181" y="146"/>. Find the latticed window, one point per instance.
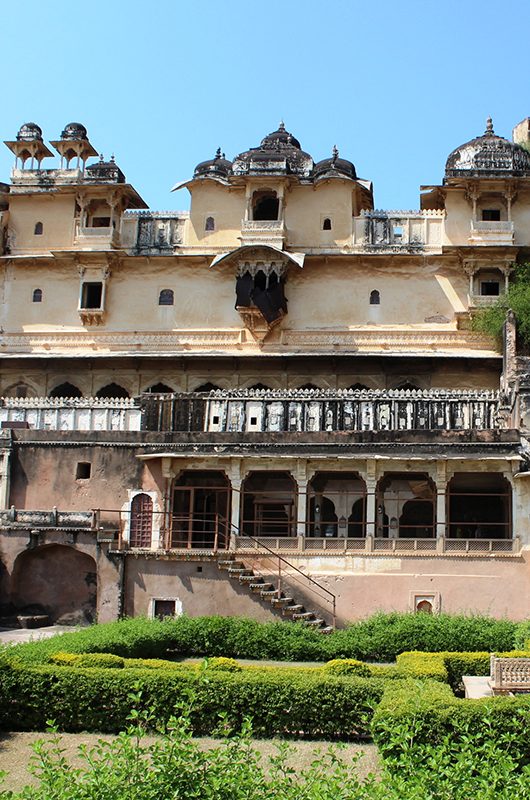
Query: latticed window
<point x="141" y="521"/>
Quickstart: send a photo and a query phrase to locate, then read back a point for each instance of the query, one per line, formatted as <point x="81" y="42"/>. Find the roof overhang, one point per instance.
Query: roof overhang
<point x="295" y="258"/>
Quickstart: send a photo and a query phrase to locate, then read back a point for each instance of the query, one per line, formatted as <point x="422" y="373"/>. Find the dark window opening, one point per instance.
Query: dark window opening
<point x="39" y="227"/>
<point x="265" y="206"/>
<point x="160" y="388"/>
<point x="268" y="502"/>
<point x="479" y="506"/>
<point x="209" y="225"/>
<point x="112" y="391"/>
<point x="326" y="225"/>
<point x="21" y="390"/>
<point x="201" y="510"/>
<point x="91" y="295"/>
<point x="309" y="387"/>
<point x="207" y="387"/>
<point x="166" y="297"/>
<point x="199" y="569"/>
<point x="164" y="608"/>
<point x="490" y="288"/>
<point x="491" y="215"/>
<point x="408" y="386"/>
<point x="265" y="292"/>
<point x="215" y="419"/>
<point x="424" y="607"/>
<point x="83" y="470"/>
<point x="375" y="298"/>
<point x="358" y="387"/>
<point x="100" y="222"/>
<point x="66" y="390"/>
<point x="37" y="296"/>
<point x="259" y="387"/>
<point x="253" y="420"/>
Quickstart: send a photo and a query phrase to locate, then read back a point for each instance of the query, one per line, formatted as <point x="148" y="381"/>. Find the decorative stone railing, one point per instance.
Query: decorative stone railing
<point x="398" y="231"/>
<point x="509" y="675"/>
<point x="492" y="232"/>
<point x="70" y="414"/>
<point x="153" y="232"/>
<point x="318" y="410"/>
<point x="89" y="238"/>
<point x="270" y="232"/>
<point x="21" y="518"/>
<point x="369" y="544"/>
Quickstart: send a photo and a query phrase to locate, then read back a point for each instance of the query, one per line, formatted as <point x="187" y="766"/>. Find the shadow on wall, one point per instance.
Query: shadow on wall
<point x="56" y="580"/>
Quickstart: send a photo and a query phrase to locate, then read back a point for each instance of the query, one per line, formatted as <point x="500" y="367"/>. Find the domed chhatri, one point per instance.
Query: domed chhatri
<point x="29" y="132"/>
<point x="218" y="166"/>
<point x="279" y="153"/>
<point x="74" y="131"/>
<point x="488" y="155"/>
<point x="334" y="167"/>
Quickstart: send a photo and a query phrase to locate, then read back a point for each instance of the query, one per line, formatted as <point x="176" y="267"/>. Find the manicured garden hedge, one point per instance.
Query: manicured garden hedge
<point x="428" y="713"/>
<point x="378" y="638"/>
<point x="281" y="702"/>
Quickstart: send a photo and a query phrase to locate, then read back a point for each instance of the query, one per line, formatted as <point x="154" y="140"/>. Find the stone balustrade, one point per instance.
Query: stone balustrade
<point x="321" y="410"/>
<point x="398" y="231"/>
<point x="21" y="518"/>
<point x="70" y="414"/>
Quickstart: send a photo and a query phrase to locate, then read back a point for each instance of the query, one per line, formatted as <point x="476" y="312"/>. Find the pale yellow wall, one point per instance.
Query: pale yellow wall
<point x="227" y="207"/>
<point x="458" y="219"/>
<point x="55" y="211"/>
<point x="306" y="206"/>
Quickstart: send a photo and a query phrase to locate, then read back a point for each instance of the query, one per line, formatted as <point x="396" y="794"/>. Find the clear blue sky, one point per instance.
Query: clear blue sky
<point x="396" y="85"/>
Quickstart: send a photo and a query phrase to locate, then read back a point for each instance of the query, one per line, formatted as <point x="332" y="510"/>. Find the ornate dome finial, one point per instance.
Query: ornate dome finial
<point x="112" y="159"/>
<point x="489" y="127"/>
<point x="218" y="154"/>
<point x="101" y="157"/>
<point x="334" y="154"/>
<point x="281" y="126"/>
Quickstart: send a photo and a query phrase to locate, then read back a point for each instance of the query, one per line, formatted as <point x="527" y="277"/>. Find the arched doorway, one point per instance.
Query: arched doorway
<point x="268" y="503"/>
<point x="337" y="505"/>
<point x="406" y="503"/>
<point x="479" y="506"/>
<point x="57" y="580"/>
<point x="201" y="510"/>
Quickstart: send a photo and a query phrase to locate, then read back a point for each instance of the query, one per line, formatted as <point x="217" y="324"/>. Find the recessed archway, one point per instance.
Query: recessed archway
<point x="479" y="506"/>
<point x="57" y="580"/>
<point x="268" y="503"/>
<point x="201" y="510"/>
<point x="337" y="505"/>
<point x="406" y="505"/>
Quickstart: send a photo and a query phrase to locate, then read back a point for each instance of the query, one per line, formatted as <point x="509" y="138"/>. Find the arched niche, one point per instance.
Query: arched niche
<point x="57" y="580"/>
<point x="337" y="505"/>
<point x="479" y="506"/>
<point x="406" y="506"/>
<point x="268" y="503"/>
<point x="112" y="391"/>
<point x="66" y="389"/>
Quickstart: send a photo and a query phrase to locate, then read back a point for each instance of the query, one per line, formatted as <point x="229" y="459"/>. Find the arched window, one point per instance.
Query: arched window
<point x="37" y="296"/>
<point x="326" y="225"/>
<point x="209" y="225"/>
<point x="166" y="297"/>
<point x="408" y="386"/>
<point x="39" y="227"/>
<point x="160" y="388"/>
<point x="141" y="521"/>
<point x="207" y="387"/>
<point x="358" y="387"/>
<point x="259" y="387"/>
<point x="265" y="205"/>
<point x="375" y="298"/>
<point x="112" y="391"/>
<point x="66" y="390"/>
<point x="308" y="387"/>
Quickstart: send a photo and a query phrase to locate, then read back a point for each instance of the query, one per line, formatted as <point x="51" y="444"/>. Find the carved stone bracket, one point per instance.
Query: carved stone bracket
<point x="256" y="323"/>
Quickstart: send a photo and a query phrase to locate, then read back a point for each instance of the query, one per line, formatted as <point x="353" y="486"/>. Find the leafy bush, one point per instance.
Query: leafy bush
<point x="491" y="319"/>
<point x="222" y="664"/>
<point x="521" y="639"/>
<point x="348" y="666"/>
<point x="281" y="702"/>
<point x="379" y="638"/>
<point x="100" y="661"/>
<point x="423" y="665"/>
<point x="64" y="659"/>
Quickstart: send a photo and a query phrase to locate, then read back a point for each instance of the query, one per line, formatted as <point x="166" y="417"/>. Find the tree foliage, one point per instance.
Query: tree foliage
<point x="490" y="320"/>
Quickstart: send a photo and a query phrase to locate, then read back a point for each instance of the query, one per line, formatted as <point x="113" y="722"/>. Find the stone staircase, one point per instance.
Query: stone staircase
<point x="281" y="603"/>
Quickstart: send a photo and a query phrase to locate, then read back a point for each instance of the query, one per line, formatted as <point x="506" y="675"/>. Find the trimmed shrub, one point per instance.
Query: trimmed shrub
<point x="64" y="659"/>
<point x="221" y="664"/>
<point x="279" y="703"/>
<point x="347" y="666"/>
<point x="422" y="665"/>
<point x="99" y="661"/>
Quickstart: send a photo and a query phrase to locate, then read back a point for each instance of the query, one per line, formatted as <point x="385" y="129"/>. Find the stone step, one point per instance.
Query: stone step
<point x="262" y="587"/>
<point x="304" y="616"/>
<point x="230" y="564"/>
<point x="247" y="579"/>
<point x="326" y="629"/>
<point x="237" y="573"/>
<point x="296" y="608"/>
<point x="315" y="623"/>
<point x="282" y="602"/>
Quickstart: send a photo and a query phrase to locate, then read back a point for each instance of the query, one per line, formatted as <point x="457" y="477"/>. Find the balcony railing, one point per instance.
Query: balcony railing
<point x="271" y="232"/>
<point x="314" y="411"/>
<point x="95" y="238"/>
<point x="488" y="233"/>
<point x="398" y="231"/>
<point x="370" y="544"/>
<point x="70" y="414"/>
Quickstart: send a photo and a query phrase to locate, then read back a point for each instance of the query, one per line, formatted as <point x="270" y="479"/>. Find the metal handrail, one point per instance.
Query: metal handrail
<point x="282" y="560"/>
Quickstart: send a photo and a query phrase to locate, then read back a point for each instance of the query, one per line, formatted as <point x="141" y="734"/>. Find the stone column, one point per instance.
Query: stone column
<point x="301" y="515"/>
<point x="441" y="495"/>
<point x="235" y="475"/>
<point x="371" y="512"/>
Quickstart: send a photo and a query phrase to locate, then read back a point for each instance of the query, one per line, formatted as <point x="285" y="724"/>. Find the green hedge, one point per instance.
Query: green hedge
<point x="379" y="638"/>
<point x="449" y="667"/>
<point x="279" y="702"/>
<point x="428" y="713"/>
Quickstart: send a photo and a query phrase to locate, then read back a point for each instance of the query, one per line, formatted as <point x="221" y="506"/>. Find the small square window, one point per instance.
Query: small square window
<point x="491" y="215"/>
<point x="83" y="470"/>
<point x="215" y="420"/>
<point x="398" y="232"/>
<point x="37" y="296"/>
<point x="253" y="420"/>
<point x="101" y="222"/>
<point x="163" y="608"/>
<point x="91" y="295"/>
<point x="490" y="288"/>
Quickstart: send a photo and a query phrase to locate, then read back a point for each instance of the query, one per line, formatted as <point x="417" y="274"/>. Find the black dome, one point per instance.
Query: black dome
<point x="279" y="153"/>
<point x="488" y="154"/>
<point x="29" y="132"/>
<point x="74" y="131"/>
<point x="215" y="166"/>
<point x="334" y="167"/>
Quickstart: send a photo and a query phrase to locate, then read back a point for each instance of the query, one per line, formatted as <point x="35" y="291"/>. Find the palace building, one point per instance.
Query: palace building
<point x="273" y="404"/>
